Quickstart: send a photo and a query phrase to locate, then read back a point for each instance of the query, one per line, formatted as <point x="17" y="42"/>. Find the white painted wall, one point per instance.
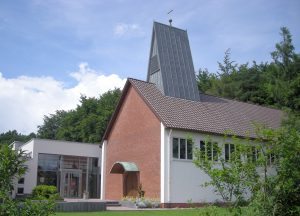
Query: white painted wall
<point x="185" y="179"/>
<point x="31" y="174"/>
<point x="163" y="165"/>
<point x="103" y="171"/>
<point x="28" y="148"/>
<point x="36" y="146"/>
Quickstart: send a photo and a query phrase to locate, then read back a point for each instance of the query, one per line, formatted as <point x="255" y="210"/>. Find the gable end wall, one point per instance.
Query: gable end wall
<point x="134" y="137"/>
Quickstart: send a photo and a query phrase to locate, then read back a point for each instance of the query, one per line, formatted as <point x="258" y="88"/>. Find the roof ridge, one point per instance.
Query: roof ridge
<point x="170" y="26"/>
<point x="130" y="78"/>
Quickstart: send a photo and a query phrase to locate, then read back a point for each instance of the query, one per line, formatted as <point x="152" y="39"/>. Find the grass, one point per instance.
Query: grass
<point x="178" y="212"/>
<point x="192" y="212"/>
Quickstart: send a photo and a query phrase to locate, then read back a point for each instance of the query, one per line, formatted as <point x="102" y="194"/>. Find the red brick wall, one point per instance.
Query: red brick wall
<point x="135" y="137"/>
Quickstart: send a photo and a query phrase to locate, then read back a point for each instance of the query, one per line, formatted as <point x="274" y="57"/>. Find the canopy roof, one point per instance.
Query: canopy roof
<point x="123" y="167"/>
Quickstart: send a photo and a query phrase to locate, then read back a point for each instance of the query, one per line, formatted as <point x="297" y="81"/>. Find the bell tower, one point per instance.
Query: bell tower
<point x="170" y="63"/>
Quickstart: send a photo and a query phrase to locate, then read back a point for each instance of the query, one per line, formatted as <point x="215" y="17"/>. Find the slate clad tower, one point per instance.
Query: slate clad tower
<point x="170" y="64"/>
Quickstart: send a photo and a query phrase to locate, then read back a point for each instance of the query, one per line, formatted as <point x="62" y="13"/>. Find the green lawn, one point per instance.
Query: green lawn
<point x="179" y="212"/>
<point x="192" y="212"/>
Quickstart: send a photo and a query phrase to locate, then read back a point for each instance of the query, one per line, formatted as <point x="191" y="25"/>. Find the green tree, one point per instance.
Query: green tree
<point x="10" y="136"/>
<point x="279" y="194"/>
<point x="86" y="123"/>
<point x="284" y="55"/>
<point x="12" y="167"/>
<point x="231" y="177"/>
<point x="51" y="125"/>
<point x="251" y="83"/>
<point x="223" y="84"/>
<point x="204" y="80"/>
<point x="267" y="166"/>
<point x="275" y="84"/>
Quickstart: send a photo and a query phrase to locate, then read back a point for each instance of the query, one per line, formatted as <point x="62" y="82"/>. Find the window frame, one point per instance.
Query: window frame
<point x="21" y="181"/>
<point x="231" y="150"/>
<point x="20" y="190"/>
<point x="210" y="150"/>
<point x="187" y="156"/>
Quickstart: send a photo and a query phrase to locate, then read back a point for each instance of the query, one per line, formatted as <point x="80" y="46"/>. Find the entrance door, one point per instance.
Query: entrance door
<point x="70" y="186"/>
<point x="131" y="184"/>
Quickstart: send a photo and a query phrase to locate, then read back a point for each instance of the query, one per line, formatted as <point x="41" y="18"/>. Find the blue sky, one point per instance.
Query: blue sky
<point x="56" y="39"/>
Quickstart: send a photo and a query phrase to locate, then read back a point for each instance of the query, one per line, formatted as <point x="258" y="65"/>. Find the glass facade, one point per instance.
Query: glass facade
<point x="74" y="176"/>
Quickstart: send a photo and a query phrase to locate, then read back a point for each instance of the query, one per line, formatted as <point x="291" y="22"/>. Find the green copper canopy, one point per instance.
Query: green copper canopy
<point x="122" y="167"/>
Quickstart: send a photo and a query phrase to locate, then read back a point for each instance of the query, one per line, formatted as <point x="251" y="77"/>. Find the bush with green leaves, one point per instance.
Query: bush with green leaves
<point x="45" y="192"/>
<point x="37" y="207"/>
<point x="12" y="167"/>
<point x="232" y="178"/>
<point x="271" y="194"/>
<point x="27" y="208"/>
<point x="280" y="194"/>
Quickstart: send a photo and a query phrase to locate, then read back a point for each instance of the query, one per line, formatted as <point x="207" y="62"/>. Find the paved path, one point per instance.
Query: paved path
<point x="120" y="208"/>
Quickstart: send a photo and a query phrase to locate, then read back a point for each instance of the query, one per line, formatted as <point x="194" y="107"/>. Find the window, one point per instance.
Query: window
<point x="182" y="148"/>
<point x="229" y="150"/>
<point x="209" y="150"/>
<point x="271" y="159"/>
<point x="252" y="153"/>
<point x="255" y="153"/>
<point x="189" y="149"/>
<point x="202" y="150"/>
<point x="215" y="151"/>
<point x="175" y="148"/>
<point x="20" y="190"/>
<point x="21" y="181"/>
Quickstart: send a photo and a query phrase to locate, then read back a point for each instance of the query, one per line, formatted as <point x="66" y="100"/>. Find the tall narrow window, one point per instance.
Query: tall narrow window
<point x="232" y="148"/>
<point x="226" y="152"/>
<point x="254" y="153"/>
<point x="215" y="151"/>
<point x="175" y="148"/>
<point x="202" y="150"/>
<point x="182" y="149"/>
<point x="271" y="158"/>
<point x="229" y="150"/>
<point x="189" y="147"/>
<point x="209" y="150"/>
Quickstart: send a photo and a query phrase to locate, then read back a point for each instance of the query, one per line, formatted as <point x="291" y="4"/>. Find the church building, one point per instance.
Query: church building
<point x="145" y="144"/>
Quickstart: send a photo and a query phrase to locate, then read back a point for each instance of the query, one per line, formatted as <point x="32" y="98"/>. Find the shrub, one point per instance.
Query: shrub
<point x="128" y="198"/>
<point x="37" y="208"/>
<point x="45" y="192"/>
<point x="147" y="203"/>
<point x="12" y="166"/>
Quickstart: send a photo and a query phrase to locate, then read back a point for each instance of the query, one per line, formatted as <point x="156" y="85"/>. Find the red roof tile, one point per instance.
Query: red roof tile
<point x="211" y="114"/>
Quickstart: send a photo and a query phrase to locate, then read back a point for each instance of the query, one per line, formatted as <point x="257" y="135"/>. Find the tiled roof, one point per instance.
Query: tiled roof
<point x="211" y="114"/>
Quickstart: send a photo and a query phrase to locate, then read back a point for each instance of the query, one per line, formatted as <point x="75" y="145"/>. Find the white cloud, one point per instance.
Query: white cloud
<point x="25" y="100"/>
<point x="123" y="29"/>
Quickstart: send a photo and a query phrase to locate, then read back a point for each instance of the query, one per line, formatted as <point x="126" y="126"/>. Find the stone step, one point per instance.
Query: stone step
<point x="113" y="203"/>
